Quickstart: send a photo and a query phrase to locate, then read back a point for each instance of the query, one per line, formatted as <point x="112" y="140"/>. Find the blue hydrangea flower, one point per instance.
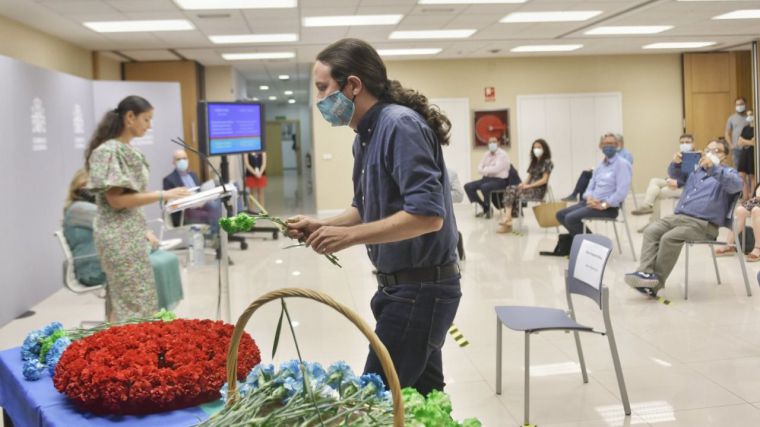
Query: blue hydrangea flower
<point x="340" y="374"/>
<point x="55" y="353"/>
<point x="33" y="369"/>
<point x="289" y="369"/>
<point x="293" y="387"/>
<point x="223" y="391"/>
<point x="372" y="383"/>
<point x="316" y="372"/>
<point x="259" y="375"/>
<point x="51" y="328"/>
<point x="31" y="347"/>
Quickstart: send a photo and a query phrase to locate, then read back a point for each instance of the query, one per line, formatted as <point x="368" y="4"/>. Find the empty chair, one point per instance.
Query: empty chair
<point x="588" y="259"/>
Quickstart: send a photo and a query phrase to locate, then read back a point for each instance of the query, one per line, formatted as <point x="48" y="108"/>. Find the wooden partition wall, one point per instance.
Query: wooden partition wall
<point x="189" y="74"/>
<point x="712" y="82"/>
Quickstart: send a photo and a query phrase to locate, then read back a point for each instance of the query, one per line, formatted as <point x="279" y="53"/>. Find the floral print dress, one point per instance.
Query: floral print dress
<point x="120" y="233"/>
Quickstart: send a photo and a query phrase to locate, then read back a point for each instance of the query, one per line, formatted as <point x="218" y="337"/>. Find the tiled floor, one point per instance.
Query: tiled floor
<point x="692" y="363"/>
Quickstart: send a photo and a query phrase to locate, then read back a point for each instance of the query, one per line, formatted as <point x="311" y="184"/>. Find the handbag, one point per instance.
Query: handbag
<point x="546" y="213"/>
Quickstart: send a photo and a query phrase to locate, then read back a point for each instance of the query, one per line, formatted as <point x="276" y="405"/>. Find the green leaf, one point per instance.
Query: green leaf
<point x="279" y="329"/>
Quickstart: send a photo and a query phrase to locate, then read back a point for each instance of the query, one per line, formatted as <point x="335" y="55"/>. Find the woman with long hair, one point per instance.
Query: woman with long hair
<point x="538" y="176"/>
<point x="119" y="178"/>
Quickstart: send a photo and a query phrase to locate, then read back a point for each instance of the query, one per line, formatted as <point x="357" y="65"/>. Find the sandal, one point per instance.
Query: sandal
<point x="725" y="251"/>
<point x="506" y="228"/>
<point x="754" y="256"/>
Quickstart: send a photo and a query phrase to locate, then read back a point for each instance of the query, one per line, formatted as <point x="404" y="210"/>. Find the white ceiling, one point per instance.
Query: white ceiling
<point x="691" y="19"/>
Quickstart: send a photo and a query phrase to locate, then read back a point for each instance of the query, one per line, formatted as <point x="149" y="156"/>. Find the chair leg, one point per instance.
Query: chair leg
<point x="527" y="379"/>
<point x="618" y="371"/>
<point x="740" y="255"/>
<point x="581" y="360"/>
<point x="498" y="355"/>
<point x="715" y="264"/>
<point x="617" y="237"/>
<point x="686" y="274"/>
<point x="519" y="215"/>
<point x="630" y="240"/>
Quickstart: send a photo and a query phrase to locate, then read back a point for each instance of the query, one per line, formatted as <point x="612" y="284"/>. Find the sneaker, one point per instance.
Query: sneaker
<point x="640" y="279"/>
<point x="570" y="198"/>
<point x="644" y="210"/>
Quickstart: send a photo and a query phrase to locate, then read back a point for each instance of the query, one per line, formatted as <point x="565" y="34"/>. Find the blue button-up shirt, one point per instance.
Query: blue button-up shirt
<point x="187" y="180"/>
<point x="708" y="195"/>
<point x="610" y="181"/>
<point x="398" y="165"/>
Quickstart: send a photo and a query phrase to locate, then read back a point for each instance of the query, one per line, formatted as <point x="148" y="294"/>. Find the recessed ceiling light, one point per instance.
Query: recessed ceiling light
<point x="288" y="92"/>
<point x="432" y="34"/>
<point x="263" y="87"/>
<point x="235" y="4"/>
<point x="351" y="20"/>
<point x="740" y="14"/>
<point x="139" y="26"/>
<point x="256" y="98"/>
<point x="559" y="16"/>
<point x="260" y="55"/>
<point x="272" y="98"/>
<point x="291" y="101"/>
<point x="470" y="1"/>
<point x="403" y="52"/>
<point x="678" y="45"/>
<point x="254" y="38"/>
<point x="547" y="48"/>
<point x="283" y="77"/>
<point x="628" y="29"/>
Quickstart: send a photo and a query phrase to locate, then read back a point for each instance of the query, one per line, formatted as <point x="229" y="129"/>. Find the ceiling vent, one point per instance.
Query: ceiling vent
<point x="213" y="15"/>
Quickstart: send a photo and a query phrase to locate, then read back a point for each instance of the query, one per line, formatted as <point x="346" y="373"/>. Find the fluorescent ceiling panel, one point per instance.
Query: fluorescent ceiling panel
<point x="263" y="87"/>
<point x="431" y="34"/>
<point x="134" y="26"/>
<point x="283" y="77"/>
<point x="557" y="16"/>
<point x="404" y="52"/>
<point x="351" y="20"/>
<point x="547" y="48"/>
<point x="235" y="4"/>
<point x="288" y="92"/>
<point x="272" y="98"/>
<point x="254" y="38"/>
<point x="291" y="101"/>
<point x="678" y="45"/>
<point x="258" y="55"/>
<point x="628" y="29"/>
<point x="740" y="14"/>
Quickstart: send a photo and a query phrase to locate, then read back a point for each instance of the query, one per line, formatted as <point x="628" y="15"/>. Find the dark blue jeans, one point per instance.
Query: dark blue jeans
<point x="571" y="217"/>
<point x="412" y="322"/>
<point x="486" y="185"/>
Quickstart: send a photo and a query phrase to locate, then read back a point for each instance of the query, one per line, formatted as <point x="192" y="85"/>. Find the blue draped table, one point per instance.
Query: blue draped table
<point x="38" y="403"/>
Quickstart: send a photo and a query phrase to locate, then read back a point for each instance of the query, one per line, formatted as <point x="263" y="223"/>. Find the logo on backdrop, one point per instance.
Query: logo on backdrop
<point x="39" y="125"/>
<point x="77" y="120"/>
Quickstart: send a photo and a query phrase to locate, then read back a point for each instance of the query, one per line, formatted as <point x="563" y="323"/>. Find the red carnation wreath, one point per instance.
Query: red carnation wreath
<point x="151" y="367"/>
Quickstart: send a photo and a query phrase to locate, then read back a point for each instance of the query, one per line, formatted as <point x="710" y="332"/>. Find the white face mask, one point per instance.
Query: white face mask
<point x="713" y="158"/>
<point x="740" y="108"/>
<point x="538" y="152"/>
<point x="492" y="146"/>
<point x="685" y="147"/>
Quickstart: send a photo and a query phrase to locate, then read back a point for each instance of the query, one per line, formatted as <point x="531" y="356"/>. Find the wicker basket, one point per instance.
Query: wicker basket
<point x="374" y="341"/>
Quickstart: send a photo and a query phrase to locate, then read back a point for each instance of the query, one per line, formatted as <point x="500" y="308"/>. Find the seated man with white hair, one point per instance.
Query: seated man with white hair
<point x="182" y="177"/>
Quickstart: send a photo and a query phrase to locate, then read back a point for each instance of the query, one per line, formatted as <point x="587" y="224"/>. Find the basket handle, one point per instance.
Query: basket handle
<point x="374" y="341"/>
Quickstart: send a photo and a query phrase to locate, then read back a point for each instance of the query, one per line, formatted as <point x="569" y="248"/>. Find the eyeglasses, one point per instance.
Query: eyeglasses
<point x="713" y="150"/>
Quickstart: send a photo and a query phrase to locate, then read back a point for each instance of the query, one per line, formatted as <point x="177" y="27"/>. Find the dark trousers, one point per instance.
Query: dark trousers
<point x="571" y="217"/>
<point x="486" y="185"/>
<point x="582" y="184"/>
<point x="412" y="322"/>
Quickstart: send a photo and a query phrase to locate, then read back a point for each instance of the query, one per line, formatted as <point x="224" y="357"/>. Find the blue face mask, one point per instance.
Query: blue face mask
<point x="336" y="108"/>
<point x="609" y="151"/>
<point x="182" y="165"/>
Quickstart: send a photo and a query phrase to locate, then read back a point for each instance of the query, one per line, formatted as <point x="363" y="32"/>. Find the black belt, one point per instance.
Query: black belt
<point x="418" y="275"/>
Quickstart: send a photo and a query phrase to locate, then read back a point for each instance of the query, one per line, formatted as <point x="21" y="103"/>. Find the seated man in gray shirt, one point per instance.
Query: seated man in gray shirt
<point x="705" y="205"/>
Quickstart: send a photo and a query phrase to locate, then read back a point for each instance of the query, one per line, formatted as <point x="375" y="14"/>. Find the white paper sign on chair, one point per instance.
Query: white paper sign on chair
<point x="589" y="264"/>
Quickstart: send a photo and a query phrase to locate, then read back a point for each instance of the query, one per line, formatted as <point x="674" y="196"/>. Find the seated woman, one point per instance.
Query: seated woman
<point x="534" y="189"/>
<point x="78" y="216"/>
<point x="749" y="208"/>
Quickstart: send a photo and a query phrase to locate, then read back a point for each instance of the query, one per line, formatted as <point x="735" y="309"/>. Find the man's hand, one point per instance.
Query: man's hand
<point x="301" y="227"/>
<point x="705" y="163"/>
<point x="678" y="158"/>
<point x="672" y="183"/>
<point x="330" y="239"/>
